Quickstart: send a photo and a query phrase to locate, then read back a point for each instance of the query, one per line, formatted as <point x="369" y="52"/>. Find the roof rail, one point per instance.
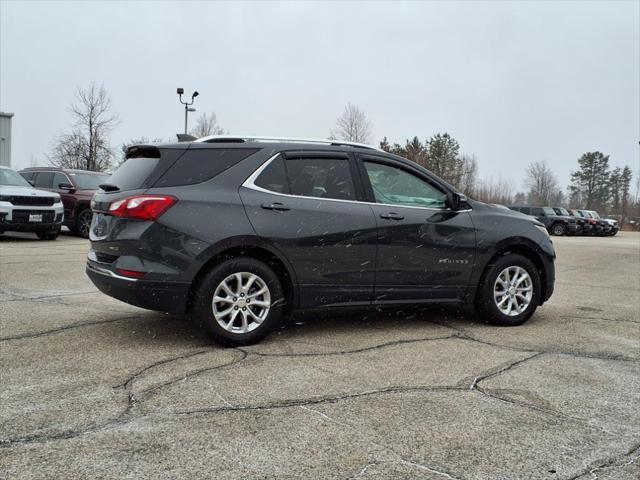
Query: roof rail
<point x="255" y="138"/>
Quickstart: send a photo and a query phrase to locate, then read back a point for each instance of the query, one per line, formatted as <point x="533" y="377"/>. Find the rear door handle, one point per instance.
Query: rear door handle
<point x="280" y="207"/>
<point x="391" y="216"/>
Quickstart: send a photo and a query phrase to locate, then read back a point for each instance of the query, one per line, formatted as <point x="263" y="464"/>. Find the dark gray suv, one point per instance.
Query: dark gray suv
<point x="237" y="231"/>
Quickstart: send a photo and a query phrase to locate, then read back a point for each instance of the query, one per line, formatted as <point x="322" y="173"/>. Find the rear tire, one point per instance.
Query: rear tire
<point x="233" y="320"/>
<point x="512" y="302"/>
<point x="558" y="229"/>
<point x="83" y="223"/>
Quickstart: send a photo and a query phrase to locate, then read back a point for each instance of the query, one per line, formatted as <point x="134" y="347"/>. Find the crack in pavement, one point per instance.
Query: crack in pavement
<point x="54" y="331"/>
<point x="615" y="462"/>
<point x="126" y="416"/>
<point x="20" y="297"/>
<point x="134" y="376"/>
<point x="348" y="352"/>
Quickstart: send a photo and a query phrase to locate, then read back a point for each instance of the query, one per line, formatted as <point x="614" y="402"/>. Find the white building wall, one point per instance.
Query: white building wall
<point x="5" y="138"/>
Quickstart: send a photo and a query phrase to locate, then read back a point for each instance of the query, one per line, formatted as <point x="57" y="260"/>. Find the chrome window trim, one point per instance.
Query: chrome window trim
<point x="250" y="183"/>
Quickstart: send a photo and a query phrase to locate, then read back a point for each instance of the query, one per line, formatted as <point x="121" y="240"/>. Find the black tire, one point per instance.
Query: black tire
<point x="486" y="305"/>
<point x="558" y="229"/>
<point x="52" y="235"/>
<point x="83" y="223"/>
<point x="203" y="309"/>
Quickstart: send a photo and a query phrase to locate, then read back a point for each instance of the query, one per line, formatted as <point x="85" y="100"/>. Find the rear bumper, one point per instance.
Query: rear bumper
<point x="152" y="295"/>
<point x="29" y="227"/>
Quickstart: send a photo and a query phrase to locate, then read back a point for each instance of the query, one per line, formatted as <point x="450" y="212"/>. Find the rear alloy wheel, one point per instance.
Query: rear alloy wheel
<point x="510" y="291"/>
<point x="83" y="223"/>
<point x="239" y="302"/>
<point x="558" y="230"/>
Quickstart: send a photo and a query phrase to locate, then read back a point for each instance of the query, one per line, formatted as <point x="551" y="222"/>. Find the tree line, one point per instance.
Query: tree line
<point x="594" y="184"/>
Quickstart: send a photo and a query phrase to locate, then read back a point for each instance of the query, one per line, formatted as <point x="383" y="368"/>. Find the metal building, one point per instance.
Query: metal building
<point x="5" y="138"/>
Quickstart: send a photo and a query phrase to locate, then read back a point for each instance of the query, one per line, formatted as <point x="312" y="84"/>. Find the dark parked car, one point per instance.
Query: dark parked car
<point x="239" y="231"/>
<point x="76" y="187"/>
<point x="611" y="224"/>
<point x="584" y="227"/>
<point x="600" y="227"/>
<point x="556" y="224"/>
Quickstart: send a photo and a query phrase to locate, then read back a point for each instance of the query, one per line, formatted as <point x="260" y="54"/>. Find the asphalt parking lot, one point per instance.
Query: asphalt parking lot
<point x="94" y="388"/>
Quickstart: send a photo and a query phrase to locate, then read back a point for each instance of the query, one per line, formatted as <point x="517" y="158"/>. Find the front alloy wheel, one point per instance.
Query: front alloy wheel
<point x="558" y="229"/>
<point x="512" y="291"/>
<point x="241" y="302"/>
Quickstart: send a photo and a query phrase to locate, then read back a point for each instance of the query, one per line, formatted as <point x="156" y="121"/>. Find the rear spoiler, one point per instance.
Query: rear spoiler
<point x="183" y="137"/>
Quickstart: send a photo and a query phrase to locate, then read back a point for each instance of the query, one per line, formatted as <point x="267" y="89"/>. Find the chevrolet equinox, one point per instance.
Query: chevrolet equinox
<point x="238" y="231"/>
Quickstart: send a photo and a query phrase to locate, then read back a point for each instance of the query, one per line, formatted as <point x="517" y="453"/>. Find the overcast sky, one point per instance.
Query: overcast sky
<point x="512" y="82"/>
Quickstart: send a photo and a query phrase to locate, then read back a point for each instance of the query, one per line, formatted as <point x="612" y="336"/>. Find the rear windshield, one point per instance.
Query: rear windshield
<point x="88" y="181"/>
<point x="133" y="173"/>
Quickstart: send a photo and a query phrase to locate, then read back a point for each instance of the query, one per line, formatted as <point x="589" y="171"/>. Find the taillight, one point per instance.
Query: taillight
<point x="130" y="273"/>
<point x="142" y="207"/>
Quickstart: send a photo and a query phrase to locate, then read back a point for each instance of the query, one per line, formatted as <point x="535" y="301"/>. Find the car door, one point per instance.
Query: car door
<point x="68" y="199"/>
<point x="304" y="204"/>
<point x="425" y="250"/>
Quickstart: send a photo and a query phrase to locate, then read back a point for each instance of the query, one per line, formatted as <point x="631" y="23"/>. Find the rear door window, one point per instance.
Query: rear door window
<point x="59" y="178"/>
<point x="320" y="177"/>
<point x="44" y="180"/>
<point x="274" y="177"/>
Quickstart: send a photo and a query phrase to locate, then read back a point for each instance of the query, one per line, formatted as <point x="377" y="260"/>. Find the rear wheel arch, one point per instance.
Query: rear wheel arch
<point x="275" y="262"/>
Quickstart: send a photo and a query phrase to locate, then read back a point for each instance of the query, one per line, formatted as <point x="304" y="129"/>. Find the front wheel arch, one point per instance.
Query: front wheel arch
<point x="519" y="249"/>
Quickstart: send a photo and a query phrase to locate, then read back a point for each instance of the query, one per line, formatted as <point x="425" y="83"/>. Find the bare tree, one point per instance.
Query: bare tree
<point x="352" y="126"/>
<point x="207" y="124"/>
<point x="469" y="175"/>
<point x="542" y="183"/>
<point x="495" y="191"/>
<point x="87" y="146"/>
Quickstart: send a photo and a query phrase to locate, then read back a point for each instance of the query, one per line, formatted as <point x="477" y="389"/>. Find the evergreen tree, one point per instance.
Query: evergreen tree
<point x="591" y="181"/>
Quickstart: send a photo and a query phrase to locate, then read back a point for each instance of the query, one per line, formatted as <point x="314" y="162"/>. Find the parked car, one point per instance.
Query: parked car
<point x="583" y="226"/>
<point x="238" y="231"/>
<point x="613" y="226"/>
<point x="598" y="226"/>
<point x="25" y="209"/>
<point x="76" y="187"/>
<point x="555" y="224"/>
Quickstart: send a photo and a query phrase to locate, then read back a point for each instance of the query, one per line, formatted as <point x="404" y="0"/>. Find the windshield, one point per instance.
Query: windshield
<point x="10" y="178"/>
<point x="549" y="211"/>
<point x="594" y="214"/>
<point x="563" y="211"/>
<point x="88" y="181"/>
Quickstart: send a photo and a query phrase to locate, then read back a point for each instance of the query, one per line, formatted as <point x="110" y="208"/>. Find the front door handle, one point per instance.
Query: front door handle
<point x="280" y="207"/>
<point x="391" y="216"/>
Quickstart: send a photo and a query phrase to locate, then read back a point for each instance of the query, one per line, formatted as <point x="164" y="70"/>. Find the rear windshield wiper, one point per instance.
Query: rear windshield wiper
<point x="108" y="187"/>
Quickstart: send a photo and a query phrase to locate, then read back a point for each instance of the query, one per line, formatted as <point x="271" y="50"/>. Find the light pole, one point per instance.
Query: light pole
<point x="180" y="92"/>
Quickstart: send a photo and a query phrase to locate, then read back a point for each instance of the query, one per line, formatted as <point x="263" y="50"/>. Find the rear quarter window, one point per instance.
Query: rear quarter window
<point x="200" y="165"/>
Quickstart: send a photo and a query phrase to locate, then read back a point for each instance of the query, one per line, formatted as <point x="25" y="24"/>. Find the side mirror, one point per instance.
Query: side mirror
<point x="457" y="201"/>
<point x="66" y="186"/>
